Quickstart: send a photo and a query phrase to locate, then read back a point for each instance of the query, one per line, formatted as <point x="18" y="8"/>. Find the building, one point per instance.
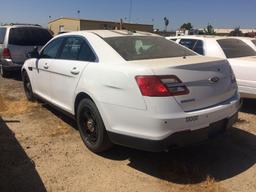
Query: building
<point x="65" y="24"/>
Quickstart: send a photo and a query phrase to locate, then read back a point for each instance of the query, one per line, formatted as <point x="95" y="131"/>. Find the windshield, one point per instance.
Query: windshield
<point x="234" y="48"/>
<point x="146" y="47"/>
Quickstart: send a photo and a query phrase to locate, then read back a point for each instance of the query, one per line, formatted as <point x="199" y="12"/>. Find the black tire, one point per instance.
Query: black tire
<point x="28" y="87"/>
<point x="3" y="72"/>
<point x="91" y="127"/>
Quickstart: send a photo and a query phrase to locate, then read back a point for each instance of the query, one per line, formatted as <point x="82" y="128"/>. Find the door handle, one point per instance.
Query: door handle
<point x="46" y="66"/>
<point x="75" y="71"/>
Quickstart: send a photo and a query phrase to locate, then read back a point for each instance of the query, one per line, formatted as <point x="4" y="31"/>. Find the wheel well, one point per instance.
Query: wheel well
<point x="79" y="97"/>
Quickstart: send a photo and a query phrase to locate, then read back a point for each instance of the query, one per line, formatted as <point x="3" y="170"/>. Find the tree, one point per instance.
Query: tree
<point x="236" y="32"/>
<point x="186" y="26"/>
<point x="209" y="30"/>
<point x="166" y="23"/>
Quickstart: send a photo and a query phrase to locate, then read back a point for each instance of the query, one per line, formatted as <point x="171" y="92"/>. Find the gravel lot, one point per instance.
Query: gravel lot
<point x="41" y="150"/>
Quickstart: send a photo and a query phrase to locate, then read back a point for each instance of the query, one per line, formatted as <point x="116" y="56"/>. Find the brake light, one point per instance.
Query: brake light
<point x="161" y="86"/>
<point x="6" y="54"/>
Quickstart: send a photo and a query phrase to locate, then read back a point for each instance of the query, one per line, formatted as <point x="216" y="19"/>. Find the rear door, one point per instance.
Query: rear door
<point x="73" y="58"/>
<point x="23" y="39"/>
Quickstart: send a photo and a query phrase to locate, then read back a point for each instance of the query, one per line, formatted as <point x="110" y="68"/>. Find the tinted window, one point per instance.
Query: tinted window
<point x="146" y="47"/>
<point x="235" y="48"/>
<point x="199" y="48"/>
<point x="51" y="50"/>
<point x="193" y="44"/>
<point x="86" y="54"/>
<point x="254" y="42"/>
<point x="2" y="35"/>
<point x="76" y="48"/>
<point x="29" y="36"/>
<point x="189" y="43"/>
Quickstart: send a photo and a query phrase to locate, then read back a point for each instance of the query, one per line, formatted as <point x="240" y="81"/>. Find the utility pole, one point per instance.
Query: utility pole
<point x="78" y="13"/>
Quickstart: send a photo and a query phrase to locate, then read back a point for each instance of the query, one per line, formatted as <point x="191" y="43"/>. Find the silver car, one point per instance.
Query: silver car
<point x="16" y="40"/>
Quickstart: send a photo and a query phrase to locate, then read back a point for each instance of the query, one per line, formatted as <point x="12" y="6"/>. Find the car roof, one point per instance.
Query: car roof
<point x="204" y="37"/>
<point x="112" y="33"/>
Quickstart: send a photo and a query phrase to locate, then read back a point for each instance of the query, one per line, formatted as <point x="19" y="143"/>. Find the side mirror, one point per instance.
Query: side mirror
<point x="33" y="54"/>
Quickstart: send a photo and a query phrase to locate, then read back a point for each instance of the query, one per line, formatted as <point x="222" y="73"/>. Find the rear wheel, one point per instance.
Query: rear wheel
<point x="91" y="127"/>
<point x="28" y="87"/>
<point x="3" y="72"/>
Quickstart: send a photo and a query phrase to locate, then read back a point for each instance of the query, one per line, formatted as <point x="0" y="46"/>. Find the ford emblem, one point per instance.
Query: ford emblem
<point x="214" y="79"/>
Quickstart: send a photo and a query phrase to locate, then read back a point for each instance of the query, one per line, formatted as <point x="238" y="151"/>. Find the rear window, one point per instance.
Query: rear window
<point x="146" y="47"/>
<point x="234" y="48"/>
<point x="254" y="42"/>
<point x="2" y="35"/>
<point x="29" y="36"/>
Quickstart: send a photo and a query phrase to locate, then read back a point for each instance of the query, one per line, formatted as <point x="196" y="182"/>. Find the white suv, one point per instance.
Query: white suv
<point x="133" y="88"/>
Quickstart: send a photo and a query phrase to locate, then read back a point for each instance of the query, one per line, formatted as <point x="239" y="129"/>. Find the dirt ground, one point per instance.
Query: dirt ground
<point x="41" y="150"/>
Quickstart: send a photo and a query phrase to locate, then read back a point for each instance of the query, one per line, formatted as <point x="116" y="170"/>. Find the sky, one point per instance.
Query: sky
<point x="219" y="13"/>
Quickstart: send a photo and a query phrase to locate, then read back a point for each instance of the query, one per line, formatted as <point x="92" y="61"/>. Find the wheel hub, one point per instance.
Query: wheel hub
<point x="91" y="125"/>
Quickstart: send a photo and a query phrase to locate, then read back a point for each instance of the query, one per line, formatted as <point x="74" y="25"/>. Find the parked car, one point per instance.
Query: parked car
<point x="133" y="88"/>
<point x="240" y="55"/>
<point x="16" y="40"/>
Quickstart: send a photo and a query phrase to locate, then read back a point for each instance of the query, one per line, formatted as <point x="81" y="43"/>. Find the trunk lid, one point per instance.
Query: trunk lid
<point x="207" y="79"/>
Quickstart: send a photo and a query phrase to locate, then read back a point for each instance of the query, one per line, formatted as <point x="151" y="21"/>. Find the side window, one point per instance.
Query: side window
<point x="76" y="48"/>
<point x="51" y="50"/>
<point x="199" y="48"/>
<point x="189" y="43"/>
<point x="2" y="35"/>
<point x="86" y="54"/>
<point x="71" y="48"/>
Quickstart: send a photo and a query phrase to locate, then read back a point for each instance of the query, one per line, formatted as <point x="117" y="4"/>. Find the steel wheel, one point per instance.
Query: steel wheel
<point x="91" y="127"/>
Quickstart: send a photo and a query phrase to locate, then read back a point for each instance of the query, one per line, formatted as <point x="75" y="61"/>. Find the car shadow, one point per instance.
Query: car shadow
<point x="17" y="170"/>
<point x="249" y="106"/>
<point x="219" y="159"/>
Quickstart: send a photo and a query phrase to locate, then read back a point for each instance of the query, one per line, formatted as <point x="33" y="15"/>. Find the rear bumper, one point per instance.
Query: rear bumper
<point x="177" y="139"/>
<point x="9" y="65"/>
<point x="155" y="132"/>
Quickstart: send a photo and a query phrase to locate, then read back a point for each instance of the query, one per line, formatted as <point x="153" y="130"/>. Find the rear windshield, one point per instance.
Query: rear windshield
<point x="29" y="36"/>
<point x="234" y="48"/>
<point x="2" y="35"/>
<point x="254" y="42"/>
<point x="146" y="47"/>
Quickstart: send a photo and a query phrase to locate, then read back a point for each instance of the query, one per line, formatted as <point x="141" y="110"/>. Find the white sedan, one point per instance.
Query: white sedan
<point x="133" y="88"/>
<point x="241" y="56"/>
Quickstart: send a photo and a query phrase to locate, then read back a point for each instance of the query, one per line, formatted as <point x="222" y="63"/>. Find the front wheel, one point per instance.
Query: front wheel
<point x="91" y="127"/>
<point x="28" y="87"/>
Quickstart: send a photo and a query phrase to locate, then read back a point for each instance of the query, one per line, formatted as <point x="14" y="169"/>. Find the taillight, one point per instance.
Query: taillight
<point x="6" y="54"/>
<point x="161" y="86"/>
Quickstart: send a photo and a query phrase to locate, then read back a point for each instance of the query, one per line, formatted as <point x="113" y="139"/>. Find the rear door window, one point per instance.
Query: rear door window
<point x="29" y="36"/>
<point x="193" y="44"/>
<point x="2" y="35"/>
<point x="234" y="48"/>
<point x="199" y="48"/>
<point x="76" y="48"/>
<point x="189" y="43"/>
